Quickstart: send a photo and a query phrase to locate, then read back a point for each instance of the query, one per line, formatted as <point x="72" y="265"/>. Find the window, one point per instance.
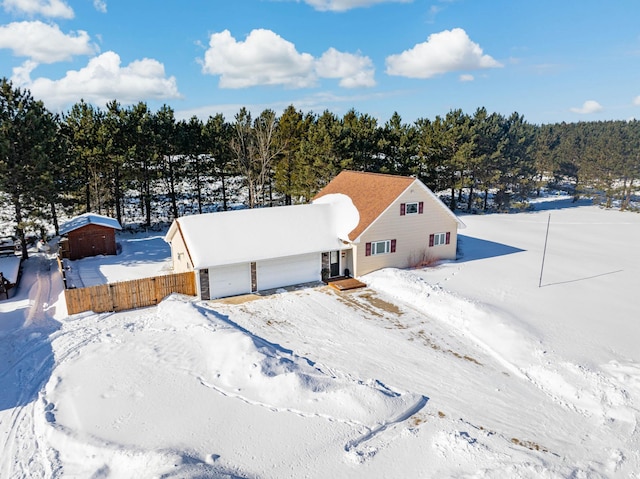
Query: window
<point x="438" y="239"/>
<point x="415" y="208"/>
<point x="380" y="247"/>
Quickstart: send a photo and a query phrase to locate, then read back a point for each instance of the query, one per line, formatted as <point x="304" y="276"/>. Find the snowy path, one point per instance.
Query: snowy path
<point x="27" y="359"/>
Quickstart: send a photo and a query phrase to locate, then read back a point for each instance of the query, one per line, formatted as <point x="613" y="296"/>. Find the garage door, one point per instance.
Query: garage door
<point x="275" y="273"/>
<point x="230" y="280"/>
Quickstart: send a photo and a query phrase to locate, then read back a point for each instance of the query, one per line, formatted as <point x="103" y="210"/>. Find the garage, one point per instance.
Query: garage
<point x="275" y="273"/>
<point x="230" y="280"/>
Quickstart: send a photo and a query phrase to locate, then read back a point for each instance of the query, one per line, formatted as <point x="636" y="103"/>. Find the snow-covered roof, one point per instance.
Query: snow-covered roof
<point x="89" y="218"/>
<point x="238" y="236"/>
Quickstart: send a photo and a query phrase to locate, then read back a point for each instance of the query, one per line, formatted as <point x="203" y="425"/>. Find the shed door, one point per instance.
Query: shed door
<point x="230" y="280"/>
<point x="287" y="271"/>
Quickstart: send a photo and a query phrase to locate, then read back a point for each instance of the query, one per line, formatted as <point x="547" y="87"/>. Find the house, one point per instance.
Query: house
<point x="402" y="223"/>
<point x="243" y="251"/>
<point x="358" y="223"/>
<point x="89" y="234"/>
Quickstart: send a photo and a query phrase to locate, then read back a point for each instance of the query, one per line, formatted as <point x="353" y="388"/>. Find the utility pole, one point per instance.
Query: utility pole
<point x="544" y="252"/>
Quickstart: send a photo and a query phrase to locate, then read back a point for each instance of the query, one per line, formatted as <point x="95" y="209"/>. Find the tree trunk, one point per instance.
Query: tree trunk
<point x="20" y="226"/>
<point x="54" y="218"/>
<point x="224" y="191"/>
<point x="117" y="194"/>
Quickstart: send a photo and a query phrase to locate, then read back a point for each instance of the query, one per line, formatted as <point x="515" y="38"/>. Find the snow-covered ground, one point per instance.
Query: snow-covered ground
<point x="475" y="368"/>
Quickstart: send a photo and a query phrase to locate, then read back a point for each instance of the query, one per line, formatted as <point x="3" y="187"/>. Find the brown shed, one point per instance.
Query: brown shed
<point x="88" y="235"/>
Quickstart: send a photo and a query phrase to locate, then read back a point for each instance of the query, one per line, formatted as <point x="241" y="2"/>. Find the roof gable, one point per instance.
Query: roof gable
<point x="89" y="219"/>
<point x="371" y="193"/>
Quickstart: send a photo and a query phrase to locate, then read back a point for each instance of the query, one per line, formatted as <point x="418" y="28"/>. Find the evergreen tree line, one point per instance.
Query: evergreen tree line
<point x="105" y="160"/>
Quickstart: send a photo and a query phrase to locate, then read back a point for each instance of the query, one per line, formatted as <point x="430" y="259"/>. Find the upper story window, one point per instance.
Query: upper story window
<point x="413" y="208"/>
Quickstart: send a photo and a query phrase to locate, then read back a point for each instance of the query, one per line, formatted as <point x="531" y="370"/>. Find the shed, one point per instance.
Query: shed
<point x="89" y="234"/>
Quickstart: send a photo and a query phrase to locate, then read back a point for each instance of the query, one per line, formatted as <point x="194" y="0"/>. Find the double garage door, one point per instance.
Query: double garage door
<point x="235" y="279"/>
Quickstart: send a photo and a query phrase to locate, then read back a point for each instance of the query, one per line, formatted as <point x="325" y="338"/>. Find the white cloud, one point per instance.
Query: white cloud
<point x="47" y="8"/>
<point x="44" y="43"/>
<point x="447" y="51"/>
<point x="589" y="106"/>
<point x="265" y="58"/>
<point x="104" y="79"/>
<point x="353" y="70"/>
<point x="636" y="100"/>
<point x="100" y="5"/>
<point x="466" y="77"/>
<point x="344" y="5"/>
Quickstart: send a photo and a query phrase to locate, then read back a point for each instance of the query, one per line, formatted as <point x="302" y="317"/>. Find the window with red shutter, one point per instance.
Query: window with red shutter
<point x="393" y="246"/>
<point x="448" y="238"/>
<point x="402" y="209"/>
<point x="367" y="249"/>
<point x="420" y="207"/>
<point x="431" y="239"/>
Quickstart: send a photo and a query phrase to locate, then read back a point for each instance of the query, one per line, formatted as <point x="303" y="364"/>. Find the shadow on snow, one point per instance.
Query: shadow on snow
<point x="475" y="248"/>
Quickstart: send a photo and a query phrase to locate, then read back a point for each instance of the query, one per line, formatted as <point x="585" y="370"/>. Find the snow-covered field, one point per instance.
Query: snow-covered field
<point x="473" y="369"/>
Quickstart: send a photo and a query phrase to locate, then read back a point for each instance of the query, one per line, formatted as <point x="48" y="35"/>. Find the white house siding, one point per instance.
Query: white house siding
<point x="411" y="233"/>
<point x="275" y="273"/>
<point x="229" y="280"/>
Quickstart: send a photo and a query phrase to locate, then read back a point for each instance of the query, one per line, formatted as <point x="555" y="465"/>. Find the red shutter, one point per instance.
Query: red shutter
<point x="448" y="238"/>
<point x="393" y="246"/>
<point x="420" y="207"/>
<point x="431" y="238"/>
<point x="367" y="249"/>
<point x="403" y="208"/>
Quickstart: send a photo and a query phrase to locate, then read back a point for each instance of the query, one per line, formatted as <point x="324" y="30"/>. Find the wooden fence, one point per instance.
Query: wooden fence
<point x="125" y="295"/>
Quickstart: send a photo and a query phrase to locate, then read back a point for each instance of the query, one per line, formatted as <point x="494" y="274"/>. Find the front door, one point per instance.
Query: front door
<point x="334" y="263"/>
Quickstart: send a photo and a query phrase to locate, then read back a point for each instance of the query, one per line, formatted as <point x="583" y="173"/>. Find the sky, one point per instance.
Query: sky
<point x="550" y="61"/>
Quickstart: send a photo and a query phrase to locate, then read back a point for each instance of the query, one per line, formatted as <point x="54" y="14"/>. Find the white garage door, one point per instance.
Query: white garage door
<point x="275" y="273"/>
<point x="230" y="280"/>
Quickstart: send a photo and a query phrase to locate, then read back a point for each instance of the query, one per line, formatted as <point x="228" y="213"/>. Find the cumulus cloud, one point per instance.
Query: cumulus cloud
<point x="44" y="43"/>
<point x="353" y="70"/>
<point x="47" y="8"/>
<point x="636" y="100"/>
<point x="466" y="77"/>
<point x="447" y="51"/>
<point x="102" y="80"/>
<point x="344" y="5"/>
<point x="589" y="106"/>
<point x="265" y="58"/>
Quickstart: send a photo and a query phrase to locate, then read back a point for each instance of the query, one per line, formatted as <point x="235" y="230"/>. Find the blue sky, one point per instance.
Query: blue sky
<point x="549" y="60"/>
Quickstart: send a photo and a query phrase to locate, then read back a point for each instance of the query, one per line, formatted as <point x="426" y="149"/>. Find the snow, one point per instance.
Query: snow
<point x="472" y="368"/>
<point x="344" y="213"/>
<point x="240" y="236"/>
<point x="89" y="218"/>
